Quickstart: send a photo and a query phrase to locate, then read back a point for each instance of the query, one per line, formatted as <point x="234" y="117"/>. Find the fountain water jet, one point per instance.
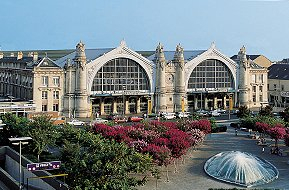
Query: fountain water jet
<point x="240" y="168"/>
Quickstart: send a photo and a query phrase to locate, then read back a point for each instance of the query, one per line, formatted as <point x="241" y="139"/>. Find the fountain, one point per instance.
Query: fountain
<point x="240" y="168"/>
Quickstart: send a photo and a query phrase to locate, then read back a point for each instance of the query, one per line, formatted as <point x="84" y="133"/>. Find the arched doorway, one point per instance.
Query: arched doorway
<point x="208" y="85"/>
<point x="124" y="81"/>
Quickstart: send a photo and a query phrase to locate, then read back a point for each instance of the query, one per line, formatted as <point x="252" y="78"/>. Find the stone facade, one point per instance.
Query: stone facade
<point x="120" y="80"/>
<point x="278" y="85"/>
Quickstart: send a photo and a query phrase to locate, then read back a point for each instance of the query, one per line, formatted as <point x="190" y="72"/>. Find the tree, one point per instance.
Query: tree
<point x="243" y="112"/>
<point x="93" y="162"/>
<point x="267" y="111"/>
<point x="15" y="127"/>
<point x="43" y="134"/>
<point x="262" y="128"/>
<point x="276" y="133"/>
<point x="285" y="114"/>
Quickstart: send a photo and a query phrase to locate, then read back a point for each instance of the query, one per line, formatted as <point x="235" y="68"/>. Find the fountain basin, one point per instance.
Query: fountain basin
<point x="240" y="168"/>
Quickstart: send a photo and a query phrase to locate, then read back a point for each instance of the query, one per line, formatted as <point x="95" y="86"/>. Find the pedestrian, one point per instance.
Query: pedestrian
<point x="236" y="132"/>
<point x="263" y="149"/>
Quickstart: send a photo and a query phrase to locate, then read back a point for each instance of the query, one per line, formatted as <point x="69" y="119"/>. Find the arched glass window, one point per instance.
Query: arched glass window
<point x="120" y="74"/>
<point x="211" y="75"/>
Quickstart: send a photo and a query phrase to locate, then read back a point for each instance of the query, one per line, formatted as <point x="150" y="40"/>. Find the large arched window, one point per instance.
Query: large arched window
<point x="211" y="75"/>
<point x="120" y="74"/>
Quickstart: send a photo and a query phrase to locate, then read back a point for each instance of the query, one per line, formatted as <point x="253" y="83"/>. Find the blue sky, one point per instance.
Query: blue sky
<point x="261" y="25"/>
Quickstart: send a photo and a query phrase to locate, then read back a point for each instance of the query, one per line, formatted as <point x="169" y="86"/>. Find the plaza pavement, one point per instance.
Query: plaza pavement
<point x="191" y="174"/>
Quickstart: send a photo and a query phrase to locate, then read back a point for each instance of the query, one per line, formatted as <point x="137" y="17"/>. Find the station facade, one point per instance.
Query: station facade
<point x="120" y="80"/>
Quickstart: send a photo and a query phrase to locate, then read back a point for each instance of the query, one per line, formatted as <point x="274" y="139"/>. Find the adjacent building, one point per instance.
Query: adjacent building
<point x="278" y="86"/>
<point x="84" y="82"/>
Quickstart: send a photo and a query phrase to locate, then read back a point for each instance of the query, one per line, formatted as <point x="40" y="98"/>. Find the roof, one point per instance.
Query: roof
<point x="252" y="57"/>
<point x="47" y="62"/>
<point x="24" y="62"/>
<point x="52" y="54"/>
<point x="254" y="65"/>
<point x="91" y="54"/>
<point x="188" y="55"/>
<point x="279" y="71"/>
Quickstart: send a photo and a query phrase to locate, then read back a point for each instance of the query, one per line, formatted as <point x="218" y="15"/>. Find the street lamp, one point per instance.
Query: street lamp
<point x="19" y="141"/>
<point x="123" y="99"/>
<point x="11" y="98"/>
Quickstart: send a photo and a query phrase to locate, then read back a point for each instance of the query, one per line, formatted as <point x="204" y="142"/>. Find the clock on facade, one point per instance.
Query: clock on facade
<point x="169" y="78"/>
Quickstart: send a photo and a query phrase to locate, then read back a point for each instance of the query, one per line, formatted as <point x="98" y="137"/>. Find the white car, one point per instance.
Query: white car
<point x="169" y="116"/>
<point x="99" y="120"/>
<point x="76" y="122"/>
<point x="220" y="110"/>
<point x="215" y="113"/>
<point x="202" y="113"/>
<point x="182" y="115"/>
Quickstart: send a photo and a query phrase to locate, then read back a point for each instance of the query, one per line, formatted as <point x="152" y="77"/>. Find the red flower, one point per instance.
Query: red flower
<point x="161" y="154"/>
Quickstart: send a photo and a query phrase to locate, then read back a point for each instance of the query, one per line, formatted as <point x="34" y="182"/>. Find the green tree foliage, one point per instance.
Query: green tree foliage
<point x="93" y="162"/>
<point x="243" y="112"/>
<point x="267" y="111"/>
<point x="15" y="127"/>
<point x="285" y="114"/>
<point x="43" y="134"/>
<point x="250" y="122"/>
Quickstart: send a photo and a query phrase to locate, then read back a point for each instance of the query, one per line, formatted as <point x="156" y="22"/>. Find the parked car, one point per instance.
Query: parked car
<point x="58" y="120"/>
<point x="202" y="113"/>
<point x="111" y="116"/>
<point x="169" y="116"/>
<point x="120" y="120"/>
<point x="182" y="115"/>
<point x="221" y="110"/>
<point x="76" y="122"/>
<point x="152" y="115"/>
<point x="214" y="113"/>
<point x="135" y="119"/>
<point x="99" y="120"/>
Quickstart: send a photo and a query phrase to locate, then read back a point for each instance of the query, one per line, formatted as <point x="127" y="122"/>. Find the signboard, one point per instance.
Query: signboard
<point x="284" y="94"/>
<point x="44" y="166"/>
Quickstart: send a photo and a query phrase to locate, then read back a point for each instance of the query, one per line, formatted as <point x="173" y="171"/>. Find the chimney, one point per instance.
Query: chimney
<point x="19" y="55"/>
<point x="35" y="56"/>
<point x="1" y="55"/>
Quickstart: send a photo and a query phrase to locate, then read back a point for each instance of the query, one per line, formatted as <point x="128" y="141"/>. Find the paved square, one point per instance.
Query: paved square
<point x="191" y="174"/>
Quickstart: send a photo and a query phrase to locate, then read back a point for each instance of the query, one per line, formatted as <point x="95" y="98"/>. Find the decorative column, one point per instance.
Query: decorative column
<point x="179" y="63"/>
<point x="102" y="107"/>
<point x="206" y="103"/>
<point x="69" y="88"/>
<point x="160" y="79"/>
<point x="215" y="102"/>
<point x="243" y="74"/>
<point x="195" y="102"/>
<point x="225" y="102"/>
<point x="114" y="106"/>
<point x="138" y="105"/>
<point x="126" y="105"/>
<point x="81" y="97"/>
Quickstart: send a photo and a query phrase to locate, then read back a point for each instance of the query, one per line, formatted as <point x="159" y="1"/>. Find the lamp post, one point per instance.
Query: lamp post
<point x="19" y="141"/>
<point x="11" y="98"/>
<point x="123" y="99"/>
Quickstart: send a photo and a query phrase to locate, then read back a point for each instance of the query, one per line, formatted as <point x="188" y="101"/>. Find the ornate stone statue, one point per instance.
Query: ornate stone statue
<point x="80" y="47"/>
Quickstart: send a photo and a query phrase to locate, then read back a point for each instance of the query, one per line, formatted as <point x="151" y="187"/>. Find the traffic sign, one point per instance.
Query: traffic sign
<point x="44" y="166"/>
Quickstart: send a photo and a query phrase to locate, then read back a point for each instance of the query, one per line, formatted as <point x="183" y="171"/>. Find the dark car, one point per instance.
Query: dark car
<point x="111" y="116"/>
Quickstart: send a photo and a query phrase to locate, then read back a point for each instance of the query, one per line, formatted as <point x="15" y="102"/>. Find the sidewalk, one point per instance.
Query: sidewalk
<point x="191" y="174"/>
